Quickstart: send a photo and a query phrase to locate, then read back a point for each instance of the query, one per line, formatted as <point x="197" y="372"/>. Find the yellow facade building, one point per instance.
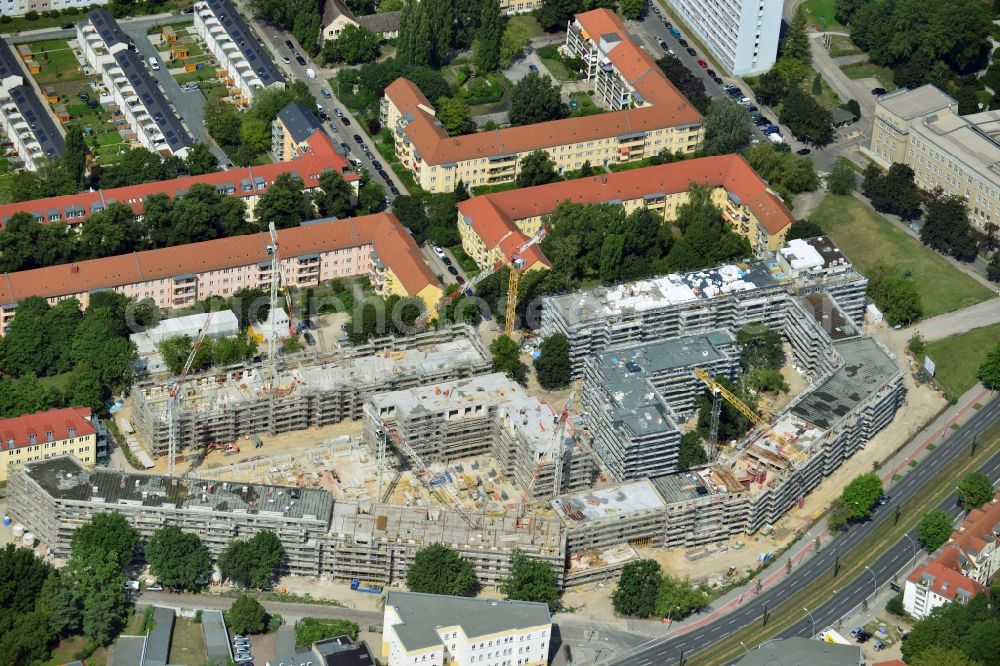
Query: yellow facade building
<point x="46" y="435"/>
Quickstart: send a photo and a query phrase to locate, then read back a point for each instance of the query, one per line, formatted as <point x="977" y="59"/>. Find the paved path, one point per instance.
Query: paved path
<point x="843" y="86"/>
<point x="960" y="321"/>
<point x="139" y="22"/>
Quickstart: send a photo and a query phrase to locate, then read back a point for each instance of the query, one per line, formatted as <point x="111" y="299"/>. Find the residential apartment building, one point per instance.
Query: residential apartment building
<point x="24" y="117"/>
<point x="131" y="90"/>
<point x="44" y="435"/>
<point x="959" y="154"/>
<point x="495" y="225"/>
<point x="657" y="118"/>
<point x="434" y="630"/>
<point x="22" y="7"/>
<point x="512" y="7"/>
<point x="337" y="15"/>
<point x="961" y="568"/>
<point x="291" y="131"/>
<point x="244" y="64"/>
<point x="741" y="34"/>
<point x="247" y="183"/>
<point x="376" y="246"/>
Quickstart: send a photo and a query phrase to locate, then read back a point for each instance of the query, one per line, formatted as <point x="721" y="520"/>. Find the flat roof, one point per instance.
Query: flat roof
<point x="910" y="104"/>
<point x="614" y="502"/>
<point x="670" y="354"/>
<point x="213" y="626"/>
<point x="801" y="651"/>
<point x="681" y="487"/>
<point x="423" y="614"/>
<point x="247" y="41"/>
<point x="828" y="315"/>
<point x="63" y="477"/>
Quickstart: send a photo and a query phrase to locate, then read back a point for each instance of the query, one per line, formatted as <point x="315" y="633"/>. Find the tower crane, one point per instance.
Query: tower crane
<point x="732" y="399"/>
<point x="272" y="340"/>
<point x="515" y="262"/>
<point x="175" y="391"/>
<point x="554" y="454"/>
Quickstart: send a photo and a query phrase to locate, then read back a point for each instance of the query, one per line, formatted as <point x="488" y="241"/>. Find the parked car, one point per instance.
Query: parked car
<point x="803" y="151"/>
<point x="358" y="140"/>
<point x="155" y="588"/>
<point x="459" y="279"/>
<point x="711" y="73"/>
<point x="289" y="44"/>
<point x="682" y="42"/>
<point x="718" y="80"/>
<point x="445" y="260"/>
<point x="702" y="63"/>
<point x="310" y="72"/>
<point x="68" y="26"/>
<point x="394" y="190"/>
<point x="310" y="340"/>
<point x="453" y="270"/>
<point x="879" y="91"/>
<point x="663" y="45"/>
<point x="325" y="93"/>
<point x="438" y="250"/>
<point x="286" y="60"/>
<point x="154" y="64"/>
<point x="339" y="113"/>
<point x="675" y="32"/>
<point x="533" y="68"/>
<point x="346" y="121"/>
<point x="299" y="59"/>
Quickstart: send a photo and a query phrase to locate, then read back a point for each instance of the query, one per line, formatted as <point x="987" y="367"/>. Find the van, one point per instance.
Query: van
<point x="311" y="73"/>
<point x="153" y="64"/>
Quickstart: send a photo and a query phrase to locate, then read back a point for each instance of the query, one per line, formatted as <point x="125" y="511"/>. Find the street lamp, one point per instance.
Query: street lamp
<point x="745" y="647"/>
<point x="812" y="621"/>
<point x="915" y="549"/>
<point x="874" y="580"/>
<point x="669" y="613"/>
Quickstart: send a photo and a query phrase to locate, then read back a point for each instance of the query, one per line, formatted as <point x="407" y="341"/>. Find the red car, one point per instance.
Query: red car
<point x="702" y="64"/>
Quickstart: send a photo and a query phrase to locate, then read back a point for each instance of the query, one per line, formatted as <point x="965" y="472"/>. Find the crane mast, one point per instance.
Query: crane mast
<point x="734" y="400"/>
<point x="174" y="394"/>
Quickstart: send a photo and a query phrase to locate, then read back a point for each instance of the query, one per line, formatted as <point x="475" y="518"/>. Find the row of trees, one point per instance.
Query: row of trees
<point x="644" y="590"/>
<point x="431" y="218"/>
<point x="989" y="369"/>
<point x="301" y="17"/>
<point x="212" y="351"/>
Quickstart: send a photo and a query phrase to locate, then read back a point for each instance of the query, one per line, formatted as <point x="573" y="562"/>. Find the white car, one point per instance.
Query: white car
<point x="311" y="73"/>
<point x="438" y="251"/>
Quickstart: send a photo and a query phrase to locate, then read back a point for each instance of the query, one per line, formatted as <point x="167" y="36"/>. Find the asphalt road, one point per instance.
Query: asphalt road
<point x="878" y="574"/>
<point x="138" y="23"/>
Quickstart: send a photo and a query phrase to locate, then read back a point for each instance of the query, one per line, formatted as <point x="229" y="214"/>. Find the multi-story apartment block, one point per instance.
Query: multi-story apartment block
<point x="657" y="118"/>
<point x="22" y="7"/>
<point x="434" y="630"/>
<point x="961" y="568"/>
<point x="376" y="246"/>
<point x="244" y="64"/>
<point x="291" y="132"/>
<point x="495" y="225"/>
<point x="45" y="435"/>
<point x="131" y="89"/>
<point x="512" y="7"/>
<point x="959" y="154"/>
<point x="247" y="183"/>
<point x="24" y="117"/>
<point x="741" y="34"/>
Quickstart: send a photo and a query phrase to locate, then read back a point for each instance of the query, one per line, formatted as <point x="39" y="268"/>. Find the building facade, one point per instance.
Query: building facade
<point x="22" y="7"/>
<point x="244" y="64"/>
<point x="657" y="118"/>
<point x="337" y="16"/>
<point x="24" y="117"/>
<point x="435" y="630"/>
<point x="291" y="131"/>
<point x="741" y="34"/>
<point x="958" y="154"/>
<point x="45" y="435"/>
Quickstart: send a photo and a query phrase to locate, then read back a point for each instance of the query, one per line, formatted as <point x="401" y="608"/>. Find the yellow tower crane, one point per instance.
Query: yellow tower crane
<point x="734" y="400"/>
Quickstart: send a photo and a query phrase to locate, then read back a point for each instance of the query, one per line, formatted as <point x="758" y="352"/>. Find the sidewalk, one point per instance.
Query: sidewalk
<point x="914" y="450"/>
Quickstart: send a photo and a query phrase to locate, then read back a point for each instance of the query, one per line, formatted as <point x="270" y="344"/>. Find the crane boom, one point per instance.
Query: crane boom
<point x="735" y="401"/>
<point x="554" y="454"/>
<point x="174" y="393"/>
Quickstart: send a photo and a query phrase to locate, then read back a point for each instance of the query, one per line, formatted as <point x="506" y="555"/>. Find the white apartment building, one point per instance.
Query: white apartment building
<point x="243" y="63"/>
<point x="24" y="117"/>
<point x="433" y="630"/>
<point x="22" y="7"/>
<point x="131" y="88"/>
<point x="741" y="34"/>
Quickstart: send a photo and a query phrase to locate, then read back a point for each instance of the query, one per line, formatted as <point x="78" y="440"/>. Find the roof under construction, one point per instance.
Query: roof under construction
<point x="614" y="502"/>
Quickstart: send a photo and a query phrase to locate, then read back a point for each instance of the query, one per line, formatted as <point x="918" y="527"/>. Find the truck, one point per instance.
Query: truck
<point x="371" y="589"/>
<point x="676" y="33"/>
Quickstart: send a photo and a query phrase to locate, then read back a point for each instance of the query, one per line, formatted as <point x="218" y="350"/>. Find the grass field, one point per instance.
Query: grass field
<point x="56" y="60"/>
<point x="187" y="646"/>
<point x="820" y="14"/>
<point x="866" y="237"/>
<point x="842" y="46"/>
<point x="525" y="27"/>
<point x="866" y="70"/>
<point x="957" y="358"/>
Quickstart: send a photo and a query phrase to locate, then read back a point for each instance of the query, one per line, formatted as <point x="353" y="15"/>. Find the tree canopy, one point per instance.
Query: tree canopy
<point x="861" y="494"/>
<point x="536" y="168"/>
<point x="892" y="192"/>
<point x="975" y="490"/>
<point x="947" y="229"/>
<point x="353" y="45"/>
<point x="728" y="128"/>
<point x="531" y="579"/>
<point x="507" y="359"/>
<point x="692" y="453"/>
<point x="677" y="598"/>
<point x="284" y="203"/>
<point x="107" y="533"/>
<point x="489" y="37"/>
<point x="438" y="569"/>
<point x="894" y="294"/>
<point x="841" y="179"/>
<point x="178" y="559"/>
<point x="732" y="423"/>
<point x="637" y="589"/>
<point x="535" y="99"/>
<point x="253" y="563"/>
<point x="957" y="634"/>
<point x="247" y="616"/>
<point x="803" y="229"/>
<point x="685" y="81"/>
<point x="553" y="365"/>
<point x="989" y="369"/>
<point x="934" y="530"/>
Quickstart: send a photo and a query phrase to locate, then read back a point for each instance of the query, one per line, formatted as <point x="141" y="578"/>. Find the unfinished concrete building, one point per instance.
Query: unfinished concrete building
<point x="225" y="404"/>
<point x="488" y="414"/>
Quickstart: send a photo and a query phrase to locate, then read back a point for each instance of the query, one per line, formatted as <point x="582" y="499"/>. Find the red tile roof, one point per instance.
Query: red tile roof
<point x="666" y="108"/>
<point x="493" y="216"/>
<point x="15" y="432"/>
<point x="391" y="242"/>
<point x="947" y="582"/>
<point x="979" y="529"/>
<point x="321" y="157"/>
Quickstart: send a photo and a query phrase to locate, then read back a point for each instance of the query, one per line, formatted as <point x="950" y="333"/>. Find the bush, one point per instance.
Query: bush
<point x="54" y="13"/>
<point x="308" y="630"/>
<point x="5" y="19"/>
<point x="482" y="90"/>
<point x="895" y="606"/>
<point x="31" y="16"/>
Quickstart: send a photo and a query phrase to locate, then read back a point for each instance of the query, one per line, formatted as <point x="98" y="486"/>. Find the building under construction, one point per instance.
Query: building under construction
<point x="488" y="414"/>
<point x="309" y="391"/>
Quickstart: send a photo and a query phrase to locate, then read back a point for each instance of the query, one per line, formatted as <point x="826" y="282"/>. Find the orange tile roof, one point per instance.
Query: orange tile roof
<point x="493" y="216"/>
<point x="14" y="432"/>
<point x="947" y="581"/>
<point x="666" y="108"/>
<point x="390" y="240"/>
<point x="979" y="529"/>
<point x="321" y="157"/>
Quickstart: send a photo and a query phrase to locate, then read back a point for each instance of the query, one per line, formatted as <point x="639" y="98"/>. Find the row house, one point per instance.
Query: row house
<point x="32" y="134"/>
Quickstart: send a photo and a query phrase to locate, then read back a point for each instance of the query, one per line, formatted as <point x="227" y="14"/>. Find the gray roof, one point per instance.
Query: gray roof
<point x="29" y="105"/>
<point x="422" y="614"/>
<point x="107" y="27"/>
<point x="380" y="23"/>
<point x="246" y="39"/>
<point x="65" y="478"/>
<point x="154" y="100"/>
<point x="828" y="315"/>
<point x="672" y="354"/>
<point x="867" y="368"/>
<point x="908" y="104"/>
<point x="287" y="653"/>
<point x="299" y="121"/>
<point x="342" y="651"/>
<point x="216" y="638"/>
<point x="128" y="651"/>
<point x="158" y="641"/>
<point x="802" y="652"/>
<point x="335" y="8"/>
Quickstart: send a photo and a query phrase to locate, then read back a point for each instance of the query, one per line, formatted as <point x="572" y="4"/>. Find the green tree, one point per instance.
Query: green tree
<point x="677" y="599"/>
<point x="803" y="229"/>
<point x="806" y="118"/>
<point x="732" y="423"/>
<point x="728" y="128"/>
<point x="74" y="157"/>
<point x="706" y="238"/>
<point x="975" y="490"/>
<point x="993" y="268"/>
<point x="839" y="516"/>
<point x="841" y="180"/>
<point x="411" y="212"/>
<point x="309" y="630"/>
<point x="989" y="369"/>
<point x="234" y="349"/>
<point x="982" y="642"/>
<point x="201" y="160"/>
<point x="512" y="46"/>
<point x="687" y="83"/>
<point x="554" y="14"/>
<point x="893" y="192"/>
<point x="507" y="359"/>
<point x="893" y="294"/>
<point x="223" y="121"/>
<point x="107" y="532"/>
<point x="247" y="616"/>
<point x="333" y="198"/>
<point x="760" y="347"/>
<point x="371" y="195"/>
<point x="251" y="305"/>
<point x="531" y="579"/>
<point x="947" y="229"/>
<point x="796" y="40"/>
<point x="489" y="38"/>
<point x="536" y="168"/>
<point x="692" y="453"/>
<point x="632" y="9"/>
<point x="253" y="563"/>
<point x="935" y="656"/>
<point x="110" y="232"/>
<point x="638" y="585"/>
<point x="861" y="494"/>
<point x="453" y="113"/>
<point x="94" y="583"/>
<point x="178" y="559"/>
<point x="553" y="365"/>
<point x="438" y="569"/>
<point x="284" y="203"/>
<point x="934" y="530"/>
<point x="535" y="99"/>
<point x="354" y="45"/>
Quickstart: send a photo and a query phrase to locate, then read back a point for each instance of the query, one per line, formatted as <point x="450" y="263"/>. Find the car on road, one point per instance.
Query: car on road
<point x="377" y="165"/>
<point x="189" y="87"/>
<point x="383" y="175"/>
<point x="702" y="63"/>
<point x="803" y="151"/>
<point x="299" y="59"/>
<point x="155" y="588"/>
<point x="452" y="270"/>
<point x="68" y="26"/>
<point x="394" y="190"/>
<point x="438" y="250"/>
<point x="325" y="93"/>
<point x="446" y="261"/>
<point x="711" y="73"/>
<point x="879" y="91"/>
<point x="675" y="32"/>
<point x="357" y="139"/>
<point x="692" y="52"/>
<point x="289" y="44"/>
<point x="718" y="80"/>
<point x="345" y="120"/>
<point x="533" y="68"/>
<point x="310" y="340"/>
<point x="459" y="279"/>
<point x="683" y="42"/>
<point x="340" y="114"/>
<point x="663" y="45"/>
<point x="286" y="60"/>
<point x="154" y="64"/>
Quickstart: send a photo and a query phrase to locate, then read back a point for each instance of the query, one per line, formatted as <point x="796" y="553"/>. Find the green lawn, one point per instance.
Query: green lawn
<point x="957" y="358"/>
<point x="867" y="70"/>
<point x="866" y="237"/>
<point x="828" y="99"/>
<point x="820" y="14"/>
<point x="525" y="26"/>
<point x="584" y="105"/>
<point x="56" y="60"/>
<point x="842" y="46"/>
<point x="187" y="646"/>
<point x="203" y="74"/>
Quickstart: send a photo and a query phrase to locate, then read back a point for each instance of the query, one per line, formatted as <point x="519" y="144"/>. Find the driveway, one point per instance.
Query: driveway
<point x="439" y="268"/>
<point x="522" y="67"/>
